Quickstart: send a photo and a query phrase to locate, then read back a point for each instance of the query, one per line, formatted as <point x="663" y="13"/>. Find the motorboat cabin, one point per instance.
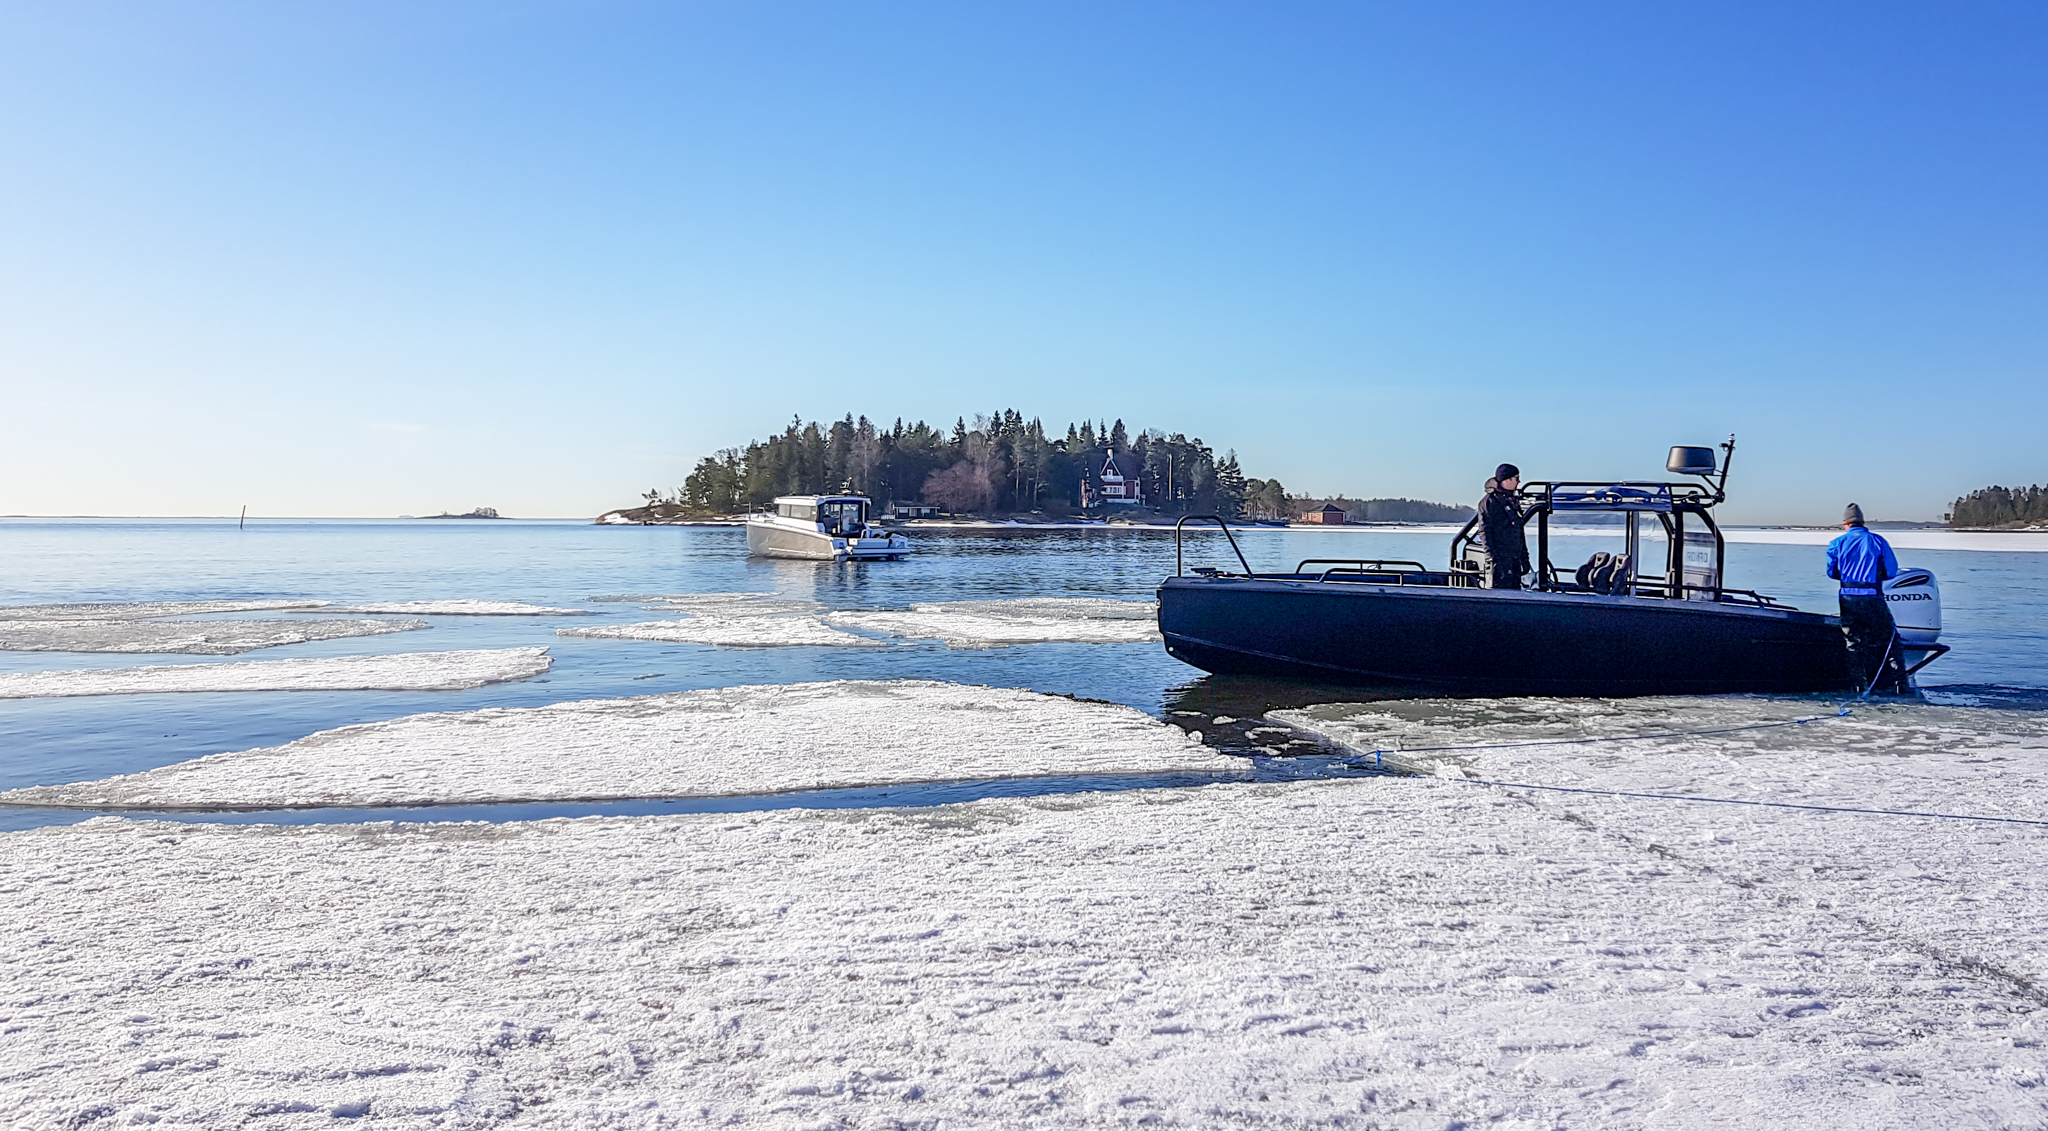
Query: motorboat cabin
<point x="822" y="528"/>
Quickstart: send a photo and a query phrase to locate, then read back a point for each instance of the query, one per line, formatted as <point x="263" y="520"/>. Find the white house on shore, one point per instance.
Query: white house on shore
<point x="1119" y="478"/>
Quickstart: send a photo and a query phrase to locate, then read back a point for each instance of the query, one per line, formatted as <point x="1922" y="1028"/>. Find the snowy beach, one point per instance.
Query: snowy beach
<point x="1387" y="952"/>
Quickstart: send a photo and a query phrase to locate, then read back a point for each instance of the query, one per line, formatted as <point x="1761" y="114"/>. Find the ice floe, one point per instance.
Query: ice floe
<point x="729" y="741"/>
<point x="731" y="632"/>
<point x="189" y="637"/>
<point x="1374" y="953"/>
<point x="731" y="620"/>
<point x="1026" y="620"/>
<point x="405" y="671"/>
<point x="465" y="608"/>
<point x="735" y="605"/>
<point x="709" y="602"/>
<point x="143" y="610"/>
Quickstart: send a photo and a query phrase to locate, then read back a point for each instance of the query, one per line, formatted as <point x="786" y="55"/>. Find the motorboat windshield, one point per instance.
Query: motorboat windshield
<point x="843" y="517"/>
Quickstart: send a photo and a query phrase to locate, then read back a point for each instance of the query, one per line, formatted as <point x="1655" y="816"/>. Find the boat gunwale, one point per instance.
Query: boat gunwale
<point x="1662" y="605"/>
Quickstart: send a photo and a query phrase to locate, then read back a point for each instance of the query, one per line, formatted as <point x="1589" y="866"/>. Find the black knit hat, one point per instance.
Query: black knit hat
<point x="1506" y="472"/>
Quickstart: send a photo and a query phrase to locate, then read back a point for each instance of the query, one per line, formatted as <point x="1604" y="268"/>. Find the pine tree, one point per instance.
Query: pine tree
<point x="1231" y="488"/>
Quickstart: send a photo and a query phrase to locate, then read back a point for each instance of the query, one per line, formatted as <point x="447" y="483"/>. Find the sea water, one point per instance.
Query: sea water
<point x="1995" y="618"/>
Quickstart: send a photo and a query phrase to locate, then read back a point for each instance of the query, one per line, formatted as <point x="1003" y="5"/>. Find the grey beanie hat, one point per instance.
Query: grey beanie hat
<point x="1852" y="514"/>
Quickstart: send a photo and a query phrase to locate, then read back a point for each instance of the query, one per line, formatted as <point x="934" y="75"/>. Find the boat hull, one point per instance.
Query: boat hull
<point x="1439" y="640"/>
<point x="770" y="539"/>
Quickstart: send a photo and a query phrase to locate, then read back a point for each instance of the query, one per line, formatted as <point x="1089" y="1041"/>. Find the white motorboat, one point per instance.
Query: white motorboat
<point x="821" y="528"/>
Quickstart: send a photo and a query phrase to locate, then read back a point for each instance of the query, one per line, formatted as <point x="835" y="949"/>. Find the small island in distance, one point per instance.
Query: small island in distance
<point x="480" y="512"/>
<point x="1005" y="466"/>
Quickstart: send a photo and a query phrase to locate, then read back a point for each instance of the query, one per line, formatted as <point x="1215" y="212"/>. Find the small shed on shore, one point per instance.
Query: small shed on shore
<point x="1329" y="514"/>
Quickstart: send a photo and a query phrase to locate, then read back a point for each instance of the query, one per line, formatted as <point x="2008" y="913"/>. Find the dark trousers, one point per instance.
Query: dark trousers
<point x="1874" y="657"/>
<point x="1505" y="575"/>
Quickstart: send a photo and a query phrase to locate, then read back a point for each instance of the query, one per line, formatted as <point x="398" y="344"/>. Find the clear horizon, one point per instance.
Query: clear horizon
<point x="393" y="260"/>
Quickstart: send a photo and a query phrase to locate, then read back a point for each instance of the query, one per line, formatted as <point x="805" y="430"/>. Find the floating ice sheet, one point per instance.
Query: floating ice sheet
<point x="1027" y="620"/>
<point x="731" y="632"/>
<point x="405" y="671"/>
<point x="466" y="608"/>
<point x="1376" y="953"/>
<point x="741" y="740"/>
<point x="143" y="610"/>
<point x="731" y="620"/>
<point x="735" y="605"/>
<point x="189" y="637"/>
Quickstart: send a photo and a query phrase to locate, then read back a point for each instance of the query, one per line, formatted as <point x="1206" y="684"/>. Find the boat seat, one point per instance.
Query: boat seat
<point x="1604" y="573"/>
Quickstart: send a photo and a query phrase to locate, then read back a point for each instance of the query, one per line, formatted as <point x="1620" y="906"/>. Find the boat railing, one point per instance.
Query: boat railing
<point x="1380" y="565"/>
<point x="1180" y="527"/>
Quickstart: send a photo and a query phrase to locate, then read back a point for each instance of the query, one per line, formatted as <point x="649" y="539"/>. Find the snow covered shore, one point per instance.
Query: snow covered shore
<point x="1372" y="953"/>
<point x="723" y="742"/>
<point x="405" y="671"/>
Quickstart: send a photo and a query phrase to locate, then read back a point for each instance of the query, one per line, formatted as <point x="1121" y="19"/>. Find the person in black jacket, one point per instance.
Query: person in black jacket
<point x="1500" y="529"/>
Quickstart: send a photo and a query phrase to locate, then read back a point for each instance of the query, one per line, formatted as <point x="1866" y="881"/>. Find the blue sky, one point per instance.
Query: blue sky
<point x="374" y="259"/>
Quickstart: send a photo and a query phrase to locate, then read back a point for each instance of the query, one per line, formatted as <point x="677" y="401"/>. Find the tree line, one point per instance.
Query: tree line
<point x="1388" y="510"/>
<point x="1003" y="462"/>
<point x="2001" y="506"/>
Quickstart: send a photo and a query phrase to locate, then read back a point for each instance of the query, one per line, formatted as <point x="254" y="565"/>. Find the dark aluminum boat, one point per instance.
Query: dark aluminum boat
<point x="1400" y="626"/>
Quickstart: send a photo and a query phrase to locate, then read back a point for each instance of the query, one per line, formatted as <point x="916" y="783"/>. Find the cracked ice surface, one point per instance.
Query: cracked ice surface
<point x="413" y="671"/>
<point x="466" y="608"/>
<point x="188" y="637"/>
<point x="1898" y="755"/>
<point x="722" y="742"/>
<point x="1369" y="953"/>
<point x="1028" y="620"/>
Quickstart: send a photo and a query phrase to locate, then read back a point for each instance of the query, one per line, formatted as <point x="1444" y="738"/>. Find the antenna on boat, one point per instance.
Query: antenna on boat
<point x="1701" y="462"/>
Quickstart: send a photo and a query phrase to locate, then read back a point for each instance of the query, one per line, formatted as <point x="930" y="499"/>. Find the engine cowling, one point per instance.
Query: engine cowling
<point x="1915" y="602"/>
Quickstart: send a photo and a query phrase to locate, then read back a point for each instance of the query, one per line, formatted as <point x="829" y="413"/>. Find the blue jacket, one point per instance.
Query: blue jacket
<point x="1860" y="559"/>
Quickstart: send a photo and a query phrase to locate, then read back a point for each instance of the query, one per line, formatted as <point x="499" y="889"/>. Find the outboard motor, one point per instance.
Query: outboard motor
<point x="1915" y="602"/>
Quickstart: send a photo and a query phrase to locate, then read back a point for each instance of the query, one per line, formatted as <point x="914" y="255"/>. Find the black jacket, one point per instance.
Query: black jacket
<point x="1500" y="532"/>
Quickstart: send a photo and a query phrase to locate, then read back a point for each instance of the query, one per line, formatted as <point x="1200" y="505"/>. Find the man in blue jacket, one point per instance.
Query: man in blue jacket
<point x="1863" y="561"/>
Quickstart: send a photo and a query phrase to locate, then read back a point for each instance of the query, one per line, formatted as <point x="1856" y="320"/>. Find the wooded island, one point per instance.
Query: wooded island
<point x="1002" y="464"/>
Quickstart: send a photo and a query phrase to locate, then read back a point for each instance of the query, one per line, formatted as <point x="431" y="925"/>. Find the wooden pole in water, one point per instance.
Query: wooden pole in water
<point x="245" y="518"/>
